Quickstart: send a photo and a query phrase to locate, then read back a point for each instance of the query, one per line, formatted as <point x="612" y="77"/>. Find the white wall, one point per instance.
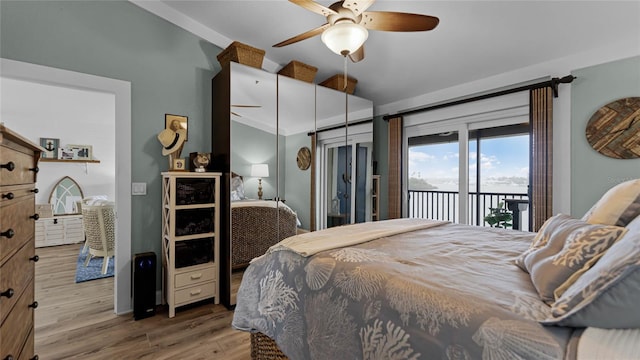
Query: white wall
<point x="75" y="116"/>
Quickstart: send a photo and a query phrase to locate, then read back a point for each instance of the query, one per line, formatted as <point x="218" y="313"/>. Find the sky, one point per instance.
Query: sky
<point x="507" y="156"/>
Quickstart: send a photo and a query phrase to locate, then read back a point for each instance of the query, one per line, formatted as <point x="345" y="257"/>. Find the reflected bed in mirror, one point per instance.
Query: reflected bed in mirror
<point x="64" y="196"/>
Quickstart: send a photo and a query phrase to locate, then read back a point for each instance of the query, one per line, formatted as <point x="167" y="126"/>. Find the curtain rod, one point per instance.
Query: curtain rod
<point x="311" y="133"/>
<point x="553" y="83"/>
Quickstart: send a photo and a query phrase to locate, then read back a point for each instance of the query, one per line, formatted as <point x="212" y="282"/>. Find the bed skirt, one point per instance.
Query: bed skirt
<point x="264" y="348"/>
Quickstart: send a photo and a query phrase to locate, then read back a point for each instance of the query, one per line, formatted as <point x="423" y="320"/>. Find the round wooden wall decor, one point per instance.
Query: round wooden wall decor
<point x="614" y="130"/>
<point x="304" y="158"/>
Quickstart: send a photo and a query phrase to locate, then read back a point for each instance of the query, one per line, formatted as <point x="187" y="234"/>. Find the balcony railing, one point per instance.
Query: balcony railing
<point x="443" y="205"/>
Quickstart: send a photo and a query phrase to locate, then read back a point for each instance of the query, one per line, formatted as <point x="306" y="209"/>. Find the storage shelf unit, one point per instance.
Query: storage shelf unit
<point x="375" y="198"/>
<point x="190" y="238"/>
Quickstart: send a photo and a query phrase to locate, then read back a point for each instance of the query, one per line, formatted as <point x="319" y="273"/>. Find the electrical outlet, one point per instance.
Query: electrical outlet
<point x="139" y="189"/>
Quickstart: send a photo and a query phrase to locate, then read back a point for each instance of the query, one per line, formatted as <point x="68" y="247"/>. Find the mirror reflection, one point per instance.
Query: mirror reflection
<point x="265" y="119"/>
<point x="64" y="196"/>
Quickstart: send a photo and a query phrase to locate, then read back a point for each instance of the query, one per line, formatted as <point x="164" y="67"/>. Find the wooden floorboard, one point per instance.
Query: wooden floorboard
<point x="76" y="321"/>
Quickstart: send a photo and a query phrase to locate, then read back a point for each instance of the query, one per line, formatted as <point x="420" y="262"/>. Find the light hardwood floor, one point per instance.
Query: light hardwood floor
<point x="76" y="321"/>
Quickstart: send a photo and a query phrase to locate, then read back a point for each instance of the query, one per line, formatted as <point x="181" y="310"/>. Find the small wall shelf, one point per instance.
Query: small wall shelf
<point x="69" y="161"/>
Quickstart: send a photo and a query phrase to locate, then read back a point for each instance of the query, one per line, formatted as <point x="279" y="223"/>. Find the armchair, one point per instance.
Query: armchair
<point x="99" y="229"/>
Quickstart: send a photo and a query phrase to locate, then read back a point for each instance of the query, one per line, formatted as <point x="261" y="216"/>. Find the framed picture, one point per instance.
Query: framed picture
<point x="51" y="146"/>
<point x="175" y="122"/>
<point x="179" y="165"/>
<point x="66" y="154"/>
<point x="82" y="152"/>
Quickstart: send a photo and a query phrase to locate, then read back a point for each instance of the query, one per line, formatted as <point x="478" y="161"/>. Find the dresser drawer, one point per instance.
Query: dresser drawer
<point x="195" y="293"/>
<point x="16" y="329"/>
<point x="22" y="162"/>
<point x="16" y="217"/>
<point x="194" y="277"/>
<point x="14" y="193"/>
<point x="28" y="351"/>
<point x="16" y="274"/>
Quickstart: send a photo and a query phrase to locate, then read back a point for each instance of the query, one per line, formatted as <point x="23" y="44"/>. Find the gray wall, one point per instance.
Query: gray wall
<point x="592" y="173"/>
<point x="253" y="146"/>
<point x="298" y="182"/>
<point x="170" y="71"/>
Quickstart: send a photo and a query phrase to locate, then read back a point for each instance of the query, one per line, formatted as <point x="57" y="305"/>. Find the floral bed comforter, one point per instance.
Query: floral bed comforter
<point x="446" y="292"/>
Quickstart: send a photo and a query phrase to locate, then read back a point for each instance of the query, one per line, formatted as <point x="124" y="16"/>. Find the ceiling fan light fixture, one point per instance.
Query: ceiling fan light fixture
<point x="344" y="37"/>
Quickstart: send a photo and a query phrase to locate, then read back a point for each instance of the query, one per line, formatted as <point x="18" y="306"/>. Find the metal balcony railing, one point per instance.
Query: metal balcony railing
<point x="442" y="205"/>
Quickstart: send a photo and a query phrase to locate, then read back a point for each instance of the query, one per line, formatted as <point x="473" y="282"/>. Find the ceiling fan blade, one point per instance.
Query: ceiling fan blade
<point x="303" y="36"/>
<point x="315" y="7"/>
<point x="246" y="106"/>
<point x="358" y="55"/>
<point x="236" y="114"/>
<point x="358" y="7"/>
<point x="397" y="21"/>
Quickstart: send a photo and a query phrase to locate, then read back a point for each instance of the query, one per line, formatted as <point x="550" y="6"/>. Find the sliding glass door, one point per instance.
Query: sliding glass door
<point x="346" y="181"/>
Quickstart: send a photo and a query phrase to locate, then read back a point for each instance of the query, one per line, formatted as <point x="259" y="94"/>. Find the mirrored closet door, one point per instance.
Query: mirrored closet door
<point x="263" y="126"/>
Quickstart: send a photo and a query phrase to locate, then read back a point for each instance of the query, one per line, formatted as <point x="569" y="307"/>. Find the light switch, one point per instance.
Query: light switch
<point x="138" y="188"/>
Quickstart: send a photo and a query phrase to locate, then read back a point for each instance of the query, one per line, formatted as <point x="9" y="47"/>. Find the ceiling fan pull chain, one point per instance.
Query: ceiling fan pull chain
<point x="344" y="84"/>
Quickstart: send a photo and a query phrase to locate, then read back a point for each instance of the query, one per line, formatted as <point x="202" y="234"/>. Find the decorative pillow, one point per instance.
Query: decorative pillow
<point x="605" y="296"/>
<point x="539" y="241"/>
<point x="571" y="245"/>
<point x="237" y="188"/>
<point x="618" y="206"/>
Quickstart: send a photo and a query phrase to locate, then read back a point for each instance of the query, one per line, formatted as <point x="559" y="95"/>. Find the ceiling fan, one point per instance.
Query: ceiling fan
<point x="243" y="106"/>
<point x="348" y="21"/>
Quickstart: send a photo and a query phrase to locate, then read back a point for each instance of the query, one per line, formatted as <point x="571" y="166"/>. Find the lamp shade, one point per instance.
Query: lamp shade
<point x="260" y="170"/>
<point x="344" y="37"/>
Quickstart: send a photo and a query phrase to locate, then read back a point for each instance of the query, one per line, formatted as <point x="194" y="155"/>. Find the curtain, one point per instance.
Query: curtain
<point x="395" y="168"/>
<point x="541" y="121"/>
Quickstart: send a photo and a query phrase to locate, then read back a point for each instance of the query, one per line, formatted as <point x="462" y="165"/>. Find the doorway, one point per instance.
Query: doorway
<point x="18" y="70"/>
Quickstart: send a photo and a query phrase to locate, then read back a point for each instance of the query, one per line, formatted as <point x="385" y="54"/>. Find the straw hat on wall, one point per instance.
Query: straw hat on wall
<point x="172" y="141"/>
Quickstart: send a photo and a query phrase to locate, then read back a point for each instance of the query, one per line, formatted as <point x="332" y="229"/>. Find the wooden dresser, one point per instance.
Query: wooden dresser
<point x="19" y="166"/>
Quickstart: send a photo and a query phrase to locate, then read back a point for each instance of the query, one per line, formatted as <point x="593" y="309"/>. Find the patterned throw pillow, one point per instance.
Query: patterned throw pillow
<point x="605" y="296"/>
<point x="618" y="206"/>
<point x="539" y="241"/>
<point x="237" y="189"/>
<point x="571" y="246"/>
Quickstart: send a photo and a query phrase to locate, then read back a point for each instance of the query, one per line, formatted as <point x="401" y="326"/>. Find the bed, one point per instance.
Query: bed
<point x="256" y="225"/>
<point x="423" y="289"/>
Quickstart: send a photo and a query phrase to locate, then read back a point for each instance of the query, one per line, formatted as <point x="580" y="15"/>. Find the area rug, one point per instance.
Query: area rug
<point x="93" y="270"/>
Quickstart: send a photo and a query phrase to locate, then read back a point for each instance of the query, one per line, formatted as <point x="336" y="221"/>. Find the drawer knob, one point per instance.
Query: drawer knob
<point x="7" y="293"/>
<point x="34" y="305"/>
<point x="9" y="196"/>
<point x="9" y="357"/>
<point x="35" y="357"/>
<point x="196" y="292"/>
<point x="34" y="169"/>
<point x="34" y="258"/>
<point x="8" y="234"/>
<point x="9" y="166"/>
<point x="196" y="276"/>
<point x="35" y="191"/>
<point x="35" y="216"/>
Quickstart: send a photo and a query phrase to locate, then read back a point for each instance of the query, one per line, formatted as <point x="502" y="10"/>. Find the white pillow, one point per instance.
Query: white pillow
<point x="237" y="189"/>
<point x="618" y="206"/>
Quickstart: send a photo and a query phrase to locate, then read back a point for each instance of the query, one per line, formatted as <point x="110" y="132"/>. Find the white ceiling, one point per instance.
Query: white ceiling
<point x="474" y="40"/>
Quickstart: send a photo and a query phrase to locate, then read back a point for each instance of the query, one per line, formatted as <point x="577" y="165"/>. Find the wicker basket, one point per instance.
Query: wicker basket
<point x="243" y="54"/>
<point x="299" y="70"/>
<point x="337" y="82"/>
<point x="264" y="348"/>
